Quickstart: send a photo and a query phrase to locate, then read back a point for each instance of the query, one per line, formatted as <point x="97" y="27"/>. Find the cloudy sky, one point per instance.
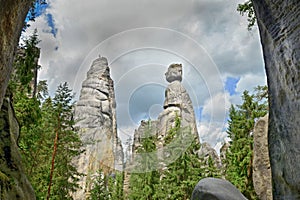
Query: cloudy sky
<point x="140" y="38"/>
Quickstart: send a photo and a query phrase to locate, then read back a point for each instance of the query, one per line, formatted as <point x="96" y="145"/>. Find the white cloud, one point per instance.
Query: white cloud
<point x="213" y="133"/>
<point x="216" y="44"/>
<point x="216" y="107"/>
<point x="249" y="81"/>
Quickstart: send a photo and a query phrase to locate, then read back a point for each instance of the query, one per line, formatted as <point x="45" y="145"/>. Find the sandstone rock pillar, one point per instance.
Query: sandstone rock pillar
<point x="96" y="120"/>
<point x="262" y="180"/>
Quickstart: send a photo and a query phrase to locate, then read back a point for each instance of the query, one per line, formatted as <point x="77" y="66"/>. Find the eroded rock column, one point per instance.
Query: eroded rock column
<point x="96" y="120"/>
<point x="262" y="180"/>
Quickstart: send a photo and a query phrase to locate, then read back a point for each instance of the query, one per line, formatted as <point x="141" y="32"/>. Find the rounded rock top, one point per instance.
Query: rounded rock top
<point x="174" y="73"/>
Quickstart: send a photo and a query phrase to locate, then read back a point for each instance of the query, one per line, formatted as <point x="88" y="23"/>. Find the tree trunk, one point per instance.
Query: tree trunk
<point x="279" y="26"/>
<point x="12" y="16"/>
<point x="53" y="160"/>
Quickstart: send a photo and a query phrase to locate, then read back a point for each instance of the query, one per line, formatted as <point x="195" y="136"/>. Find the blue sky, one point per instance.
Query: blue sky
<point x="220" y="57"/>
<point x="40" y="11"/>
<point x="230" y="84"/>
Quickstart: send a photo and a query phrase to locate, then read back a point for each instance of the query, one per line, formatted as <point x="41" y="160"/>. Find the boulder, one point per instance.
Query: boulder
<point x="216" y="189"/>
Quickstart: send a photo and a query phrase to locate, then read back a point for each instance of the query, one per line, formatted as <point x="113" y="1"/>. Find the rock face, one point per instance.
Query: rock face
<point x="223" y="150"/>
<point x="12" y="17"/>
<point x="216" y="189"/>
<point x="262" y="179"/>
<point x="13" y="182"/>
<point x="207" y="151"/>
<point x="279" y="26"/>
<point x="95" y="112"/>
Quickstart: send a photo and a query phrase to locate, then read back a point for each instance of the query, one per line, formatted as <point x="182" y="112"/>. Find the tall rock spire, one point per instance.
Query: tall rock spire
<point x="95" y="113"/>
<point x="177" y="102"/>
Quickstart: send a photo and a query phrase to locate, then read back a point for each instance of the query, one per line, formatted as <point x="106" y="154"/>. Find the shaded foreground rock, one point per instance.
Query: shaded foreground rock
<point x="96" y="115"/>
<point x="12" y="17"/>
<point x="262" y="180"/>
<point x="13" y="182"/>
<point x="279" y="26"/>
<point x="216" y="189"/>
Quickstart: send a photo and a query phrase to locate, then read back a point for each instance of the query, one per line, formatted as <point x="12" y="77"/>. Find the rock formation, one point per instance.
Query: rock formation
<point x="279" y="26"/>
<point x="223" y="150"/>
<point x="96" y="116"/>
<point x="207" y="151"/>
<point x="177" y="105"/>
<point x="12" y="17"/>
<point x="216" y="189"/>
<point x="177" y="102"/>
<point x="261" y="162"/>
<point x="13" y="182"/>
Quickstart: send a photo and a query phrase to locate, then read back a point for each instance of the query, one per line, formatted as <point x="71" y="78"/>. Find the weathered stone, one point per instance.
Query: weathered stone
<point x="262" y="180"/>
<point x="279" y="26"/>
<point x="223" y="150"/>
<point x="174" y="73"/>
<point x="207" y="151"/>
<point x="12" y="17"/>
<point x="178" y="101"/>
<point x="96" y="115"/>
<point x="177" y="104"/>
<point x="13" y="182"/>
<point x="216" y="189"/>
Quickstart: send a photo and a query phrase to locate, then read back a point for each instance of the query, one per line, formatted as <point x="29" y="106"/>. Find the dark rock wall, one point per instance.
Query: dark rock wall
<point x="13" y="182"/>
<point x="12" y="16"/>
<point x="279" y="26"/>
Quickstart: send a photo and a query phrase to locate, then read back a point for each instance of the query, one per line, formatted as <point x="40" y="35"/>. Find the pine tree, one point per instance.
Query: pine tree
<point x="66" y="145"/>
<point x="142" y="185"/>
<point x="107" y="186"/>
<point x="239" y="155"/>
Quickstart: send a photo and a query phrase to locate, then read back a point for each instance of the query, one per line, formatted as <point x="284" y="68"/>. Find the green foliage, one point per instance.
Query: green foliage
<point x="247" y="9"/>
<point x="65" y="174"/>
<point x="241" y="124"/>
<point x="182" y="175"/>
<point x="26" y="66"/>
<point x="173" y="131"/>
<point x="142" y="185"/>
<point x="107" y="186"/>
<point x="36" y="143"/>
<point x="178" y="179"/>
<point x="41" y="118"/>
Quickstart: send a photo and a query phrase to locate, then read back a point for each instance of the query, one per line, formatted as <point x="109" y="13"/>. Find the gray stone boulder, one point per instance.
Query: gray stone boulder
<point x="216" y="189"/>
